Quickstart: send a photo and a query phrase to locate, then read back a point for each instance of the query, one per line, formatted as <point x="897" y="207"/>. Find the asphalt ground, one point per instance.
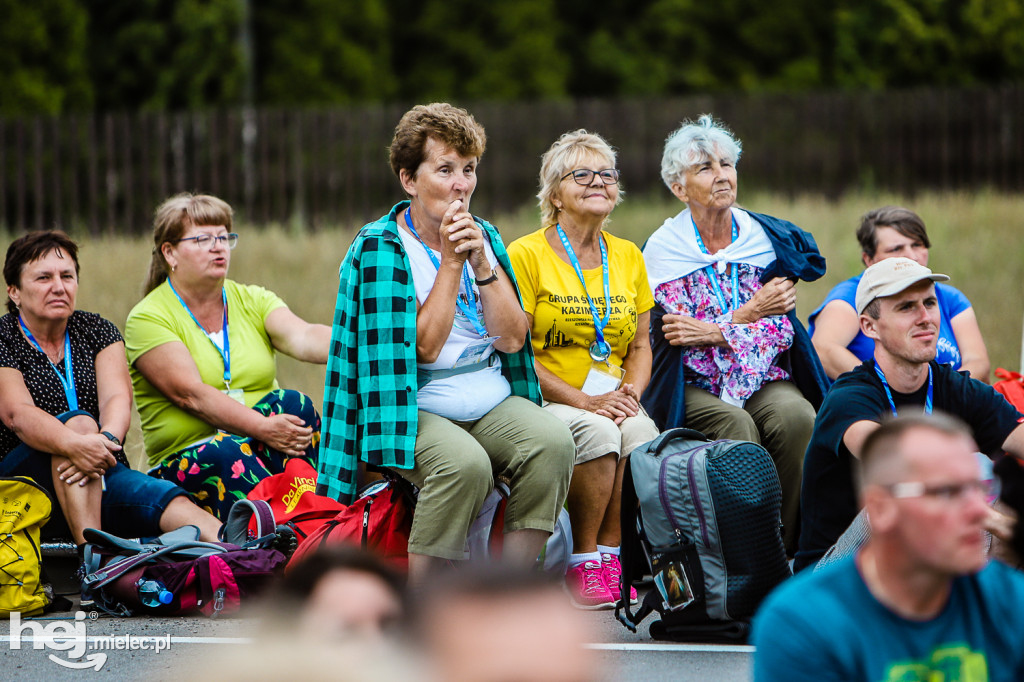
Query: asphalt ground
<point x="127" y="649"/>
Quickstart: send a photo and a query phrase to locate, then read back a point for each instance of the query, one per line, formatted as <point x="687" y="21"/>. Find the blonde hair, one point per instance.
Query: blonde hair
<point x="173" y="218"/>
<point x="559" y="159"/>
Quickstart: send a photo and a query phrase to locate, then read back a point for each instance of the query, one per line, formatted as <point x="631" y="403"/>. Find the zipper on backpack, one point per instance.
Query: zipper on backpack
<point x="218" y="601"/>
<point x="691" y="478"/>
<point x="692" y="481"/>
<point x="366" y="524"/>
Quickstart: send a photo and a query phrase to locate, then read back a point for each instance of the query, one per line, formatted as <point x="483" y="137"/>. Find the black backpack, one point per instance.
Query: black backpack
<point x="706" y="516"/>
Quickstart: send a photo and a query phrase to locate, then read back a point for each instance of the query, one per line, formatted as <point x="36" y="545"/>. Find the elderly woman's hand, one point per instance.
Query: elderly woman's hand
<point x="461" y="237"/>
<point x="286" y="433"/>
<point x="616" y="405"/>
<point x="683" y="330"/>
<point x="776" y="297"/>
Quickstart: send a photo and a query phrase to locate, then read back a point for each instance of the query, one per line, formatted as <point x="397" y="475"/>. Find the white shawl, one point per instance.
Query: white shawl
<point x="672" y="251"/>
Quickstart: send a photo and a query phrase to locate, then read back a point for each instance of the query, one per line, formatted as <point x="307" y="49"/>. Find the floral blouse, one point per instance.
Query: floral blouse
<point x="736" y="372"/>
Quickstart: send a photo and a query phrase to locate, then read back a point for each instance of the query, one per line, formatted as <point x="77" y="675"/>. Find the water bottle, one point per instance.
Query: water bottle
<point x="152" y="593"/>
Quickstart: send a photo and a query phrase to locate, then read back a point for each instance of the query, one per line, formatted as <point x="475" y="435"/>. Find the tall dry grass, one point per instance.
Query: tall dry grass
<point x="975" y="239"/>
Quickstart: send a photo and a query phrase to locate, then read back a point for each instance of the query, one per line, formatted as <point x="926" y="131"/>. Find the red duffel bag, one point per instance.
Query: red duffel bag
<point x="1011" y="386"/>
<point x="292" y="496"/>
<point x="379" y="521"/>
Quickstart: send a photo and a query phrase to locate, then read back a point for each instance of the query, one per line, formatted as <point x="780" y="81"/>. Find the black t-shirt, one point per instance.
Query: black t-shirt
<point x="88" y="334"/>
<point x="828" y="499"/>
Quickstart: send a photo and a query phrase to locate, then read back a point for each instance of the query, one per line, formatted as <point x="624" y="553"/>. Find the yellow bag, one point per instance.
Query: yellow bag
<point x="24" y="510"/>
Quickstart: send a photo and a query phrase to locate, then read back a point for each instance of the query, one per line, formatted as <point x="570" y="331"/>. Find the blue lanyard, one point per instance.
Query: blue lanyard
<point x="714" y="277"/>
<point x="888" y="393"/>
<point x="469" y="306"/>
<point x="225" y="353"/>
<point x="67" y="380"/>
<point x="599" y="322"/>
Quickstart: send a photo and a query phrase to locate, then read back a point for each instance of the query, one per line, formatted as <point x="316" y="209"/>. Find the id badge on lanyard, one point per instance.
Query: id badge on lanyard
<point x="602" y="378"/>
<point x="475" y="352"/>
<point x="235" y="394"/>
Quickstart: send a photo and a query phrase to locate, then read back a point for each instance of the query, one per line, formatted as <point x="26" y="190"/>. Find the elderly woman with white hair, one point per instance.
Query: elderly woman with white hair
<point x="731" y="359"/>
<point x="586" y="296"/>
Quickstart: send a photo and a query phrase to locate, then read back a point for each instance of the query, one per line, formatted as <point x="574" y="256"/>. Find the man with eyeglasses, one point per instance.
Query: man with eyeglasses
<point x="898" y="309"/>
<point x="919" y="602"/>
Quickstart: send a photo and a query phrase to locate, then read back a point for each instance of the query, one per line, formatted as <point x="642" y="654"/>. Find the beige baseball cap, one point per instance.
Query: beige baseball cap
<point x="891" y="276"/>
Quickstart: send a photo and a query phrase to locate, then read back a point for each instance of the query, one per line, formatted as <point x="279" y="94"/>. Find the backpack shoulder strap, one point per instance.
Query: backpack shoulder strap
<point x="98" y="577"/>
<point x="659" y="443"/>
<point x="235" y="530"/>
<point x="632" y="553"/>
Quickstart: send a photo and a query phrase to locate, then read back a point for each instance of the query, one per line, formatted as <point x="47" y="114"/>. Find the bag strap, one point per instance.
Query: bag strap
<point x="99" y="577"/>
<point x="658" y="444"/>
<point x="100" y="543"/>
<point x="235" y="530"/>
<point x="631" y="551"/>
<point x="425" y="376"/>
<point x="1007" y="375"/>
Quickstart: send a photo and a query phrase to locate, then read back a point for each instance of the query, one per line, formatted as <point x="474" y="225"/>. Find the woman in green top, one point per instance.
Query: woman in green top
<point x="202" y="353"/>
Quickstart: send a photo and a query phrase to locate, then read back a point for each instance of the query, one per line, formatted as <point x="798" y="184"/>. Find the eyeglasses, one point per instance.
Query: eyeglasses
<point x="206" y="241"/>
<point x="952" y="492"/>
<point x="585" y="176"/>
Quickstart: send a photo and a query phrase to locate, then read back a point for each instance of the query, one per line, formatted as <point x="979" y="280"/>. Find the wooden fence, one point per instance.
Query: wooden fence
<point x="317" y="168"/>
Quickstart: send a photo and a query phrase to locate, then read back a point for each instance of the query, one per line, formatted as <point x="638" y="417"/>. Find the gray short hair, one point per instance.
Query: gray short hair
<point x="883" y="451"/>
<point x="559" y="159"/>
<point x="694" y="142"/>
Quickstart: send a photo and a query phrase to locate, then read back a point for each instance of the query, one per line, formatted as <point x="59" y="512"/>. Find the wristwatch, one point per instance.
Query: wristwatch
<point x="111" y="437"/>
<point x="485" y="282"/>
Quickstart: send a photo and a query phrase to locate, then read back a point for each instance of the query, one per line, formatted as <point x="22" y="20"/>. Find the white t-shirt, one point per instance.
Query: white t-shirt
<point x="471" y="395"/>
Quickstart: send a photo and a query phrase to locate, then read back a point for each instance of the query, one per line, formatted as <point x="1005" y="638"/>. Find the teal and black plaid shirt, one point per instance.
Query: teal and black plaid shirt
<point x="369" y="410"/>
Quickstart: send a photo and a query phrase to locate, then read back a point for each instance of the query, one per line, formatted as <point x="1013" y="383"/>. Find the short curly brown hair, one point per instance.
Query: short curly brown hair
<point x="454" y="127"/>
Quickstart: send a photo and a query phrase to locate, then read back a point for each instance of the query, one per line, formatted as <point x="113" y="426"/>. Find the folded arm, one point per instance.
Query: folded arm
<point x="90" y="454"/>
<point x="185" y="388"/>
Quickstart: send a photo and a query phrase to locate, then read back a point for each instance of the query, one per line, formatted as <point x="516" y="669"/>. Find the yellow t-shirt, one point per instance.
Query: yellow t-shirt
<point x="159" y="318"/>
<point x="563" y="327"/>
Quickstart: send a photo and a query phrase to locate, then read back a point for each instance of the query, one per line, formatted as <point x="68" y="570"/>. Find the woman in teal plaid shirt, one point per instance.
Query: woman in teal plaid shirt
<point x="429" y="372"/>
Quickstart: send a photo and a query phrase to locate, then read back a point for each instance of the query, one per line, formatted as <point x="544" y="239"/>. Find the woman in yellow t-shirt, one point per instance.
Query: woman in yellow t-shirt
<point x="588" y="300"/>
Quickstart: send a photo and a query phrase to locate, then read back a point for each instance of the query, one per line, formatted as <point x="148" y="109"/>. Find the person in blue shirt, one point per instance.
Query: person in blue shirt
<point x="919" y="602"/>
<point x="889" y="232"/>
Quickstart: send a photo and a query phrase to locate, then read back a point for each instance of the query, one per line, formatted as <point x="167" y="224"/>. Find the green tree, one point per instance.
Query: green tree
<point x="322" y="51"/>
<point x="450" y="49"/>
<point x="902" y="43"/>
<point x="43" y="67"/>
<point x="658" y="47"/>
<point x="165" y="54"/>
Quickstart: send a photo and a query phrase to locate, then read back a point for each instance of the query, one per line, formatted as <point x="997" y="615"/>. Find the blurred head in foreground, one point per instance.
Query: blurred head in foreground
<point x="339" y="593"/>
<point x="496" y="624"/>
<point x="337" y="616"/>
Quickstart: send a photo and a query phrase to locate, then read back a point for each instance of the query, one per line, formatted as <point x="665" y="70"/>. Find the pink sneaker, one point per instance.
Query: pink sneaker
<point x="586" y="588"/>
<point x="612" y="570"/>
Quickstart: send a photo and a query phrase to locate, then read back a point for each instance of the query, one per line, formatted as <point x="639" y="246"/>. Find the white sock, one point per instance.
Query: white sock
<point x="577" y="559"/>
<point x="605" y="549"/>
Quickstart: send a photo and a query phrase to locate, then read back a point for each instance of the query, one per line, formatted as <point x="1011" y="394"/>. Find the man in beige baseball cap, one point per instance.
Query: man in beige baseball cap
<point x="899" y="310"/>
<point x="889" y="277"/>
